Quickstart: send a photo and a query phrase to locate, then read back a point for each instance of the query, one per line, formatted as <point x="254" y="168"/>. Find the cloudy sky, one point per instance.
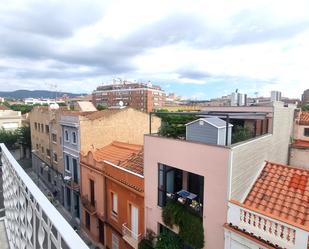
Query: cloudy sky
<point x="198" y="49"/>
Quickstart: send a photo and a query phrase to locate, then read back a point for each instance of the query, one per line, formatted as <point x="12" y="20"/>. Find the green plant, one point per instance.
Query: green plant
<point x="101" y="107"/>
<point x="24" y="136"/>
<point x="145" y="244"/>
<point x="305" y="107"/>
<point x="240" y="134"/>
<point x="191" y="229"/>
<point x="9" y="138"/>
<point x="167" y="240"/>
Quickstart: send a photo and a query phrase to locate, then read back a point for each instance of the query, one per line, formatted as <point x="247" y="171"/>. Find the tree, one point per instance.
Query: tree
<point x="24" y="136"/>
<point x="240" y="134"/>
<point x="173" y="125"/>
<point x="305" y="108"/>
<point x="101" y="107"/>
<point x="9" y="138"/>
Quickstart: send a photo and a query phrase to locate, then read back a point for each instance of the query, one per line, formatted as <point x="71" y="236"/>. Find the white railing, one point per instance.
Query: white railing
<point x="132" y="238"/>
<point x="31" y="220"/>
<point x="276" y="232"/>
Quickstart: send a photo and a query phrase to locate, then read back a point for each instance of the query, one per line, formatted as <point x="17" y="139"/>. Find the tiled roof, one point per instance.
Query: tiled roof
<point x="304" y="118"/>
<point x="3" y="108"/>
<point x="302" y="144"/>
<point x="100" y="114"/>
<point x="128" y="156"/>
<point x="282" y="192"/>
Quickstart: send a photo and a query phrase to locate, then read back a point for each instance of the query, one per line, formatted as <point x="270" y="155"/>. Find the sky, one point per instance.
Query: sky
<point x="197" y="49"/>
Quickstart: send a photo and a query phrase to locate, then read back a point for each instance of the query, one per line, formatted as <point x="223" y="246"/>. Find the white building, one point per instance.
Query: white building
<point x="275" y="96"/>
<point x="9" y="119"/>
<point x="33" y="101"/>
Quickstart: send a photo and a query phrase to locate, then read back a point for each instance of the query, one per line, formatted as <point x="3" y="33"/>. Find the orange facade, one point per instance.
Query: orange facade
<point x="112" y="191"/>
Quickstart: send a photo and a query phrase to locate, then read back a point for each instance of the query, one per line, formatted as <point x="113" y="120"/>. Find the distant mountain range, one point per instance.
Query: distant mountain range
<point x="21" y="94"/>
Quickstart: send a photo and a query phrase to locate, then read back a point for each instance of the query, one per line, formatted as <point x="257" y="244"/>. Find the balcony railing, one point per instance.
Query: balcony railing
<point x="31" y="221"/>
<point x="91" y="207"/>
<point x="274" y="231"/>
<point x="130" y="237"/>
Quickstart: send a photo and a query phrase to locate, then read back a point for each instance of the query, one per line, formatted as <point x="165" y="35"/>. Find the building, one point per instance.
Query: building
<point x="141" y="96"/>
<point x="33" y="101"/>
<point x="112" y="190"/>
<point x="274" y="213"/>
<point x="299" y="151"/>
<point x="46" y="140"/>
<point x="203" y="177"/>
<point x="238" y="99"/>
<point x="275" y="96"/>
<point x="84" y="131"/>
<point x="305" y="97"/>
<point x="9" y="119"/>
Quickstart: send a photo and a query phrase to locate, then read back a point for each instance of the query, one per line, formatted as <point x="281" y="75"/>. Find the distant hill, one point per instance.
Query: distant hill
<point x="21" y="94"/>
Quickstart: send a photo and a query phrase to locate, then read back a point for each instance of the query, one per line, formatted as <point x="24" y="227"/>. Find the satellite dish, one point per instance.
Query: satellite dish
<point x="54" y="106"/>
<point x="121" y="103"/>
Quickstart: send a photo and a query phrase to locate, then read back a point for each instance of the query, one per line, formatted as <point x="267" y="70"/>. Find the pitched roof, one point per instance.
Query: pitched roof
<point x="125" y="155"/>
<point x="304" y="118"/>
<point x="214" y="121"/>
<point x="301" y="144"/>
<point x="3" y="108"/>
<point x="86" y="106"/>
<point x="282" y="192"/>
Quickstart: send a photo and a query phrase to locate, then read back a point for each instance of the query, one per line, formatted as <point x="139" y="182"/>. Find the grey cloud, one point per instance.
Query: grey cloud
<point x="193" y="74"/>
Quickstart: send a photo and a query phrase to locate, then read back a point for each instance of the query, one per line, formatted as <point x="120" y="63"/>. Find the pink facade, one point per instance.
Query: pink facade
<point x="211" y="162"/>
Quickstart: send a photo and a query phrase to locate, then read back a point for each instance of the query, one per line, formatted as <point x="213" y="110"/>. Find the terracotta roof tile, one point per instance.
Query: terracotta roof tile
<point x="287" y="201"/>
<point x="4" y="108"/>
<point x="301" y="144"/>
<point x="304" y="118"/>
<point x="128" y="156"/>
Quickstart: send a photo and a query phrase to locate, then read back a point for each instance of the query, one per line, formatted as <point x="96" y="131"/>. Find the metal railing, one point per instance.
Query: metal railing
<point x="132" y="237"/>
<point x="91" y="207"/>
<point x="31" y="221"/>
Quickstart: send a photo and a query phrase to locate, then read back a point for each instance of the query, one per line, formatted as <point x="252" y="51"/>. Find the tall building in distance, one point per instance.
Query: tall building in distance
<point x="238" y="99"/>
<point x="141" y="96"/>
<point x="305" y="97"/>
<point x="275" y="96"/>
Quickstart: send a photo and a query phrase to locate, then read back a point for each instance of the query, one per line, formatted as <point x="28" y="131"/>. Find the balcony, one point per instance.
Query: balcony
<point x="31" y="221"/>
<point x="130" y="237"/>
<point x="271" y="230"/>
<point x="71" y="183"/>
<point x="91" y="207"/>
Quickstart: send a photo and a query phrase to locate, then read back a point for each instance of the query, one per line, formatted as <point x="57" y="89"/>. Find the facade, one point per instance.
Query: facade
<point x="274" y="214"/>
<point x="33" y="101"/>
<point x="211" y="174"/>
<point x="46" y="140"/>
<point x="84" y="131"/>
<point x="305" y="97"/>
<point x="299" y="152"/>
<point x="238" y="99"/>
<point x="275" y="96"/>
<point x="9" y="119"/>
<point x="112" y="190"/>
<point x="141" y="96"/>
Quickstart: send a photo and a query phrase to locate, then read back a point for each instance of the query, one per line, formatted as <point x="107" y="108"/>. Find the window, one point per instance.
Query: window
<point x="68" y="197"/>
<point x="37" y="146"/>
<point x="115" y="241"/>
<point x="54" y="138"/>
<point x="47" y="129"/>
<point x="75" y="173"/>
<point x="49" y="176"/>
<point x="39" y="127"/>
<point x="55" y="157"/>
<point x="66" y="136"/>
<point x="48" y="152"/>
<point x="87" y="220"/>
<point x="92" y="197"/>
<point x="42" y="149"/>
<point x="41" y="170"/>
<point x="42" y="127"/>
<point x="35" y="125"/>
<point x="74" y="137"/>
<point x="114" y="203"/>
<point x="306" y="132"/>
<point x="67" y="162"/>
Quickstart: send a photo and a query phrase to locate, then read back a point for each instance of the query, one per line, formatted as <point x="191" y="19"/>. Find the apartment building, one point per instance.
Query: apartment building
<point x="84" y="131"/>
<point x="112" y="190"/>
<point x="46" y="140"/>
<point x="141" y="96"/>
<point x="199" y="177"/>
<point x="274" y="213"/>
<point x="9" y="119"/>
<point x="299" y="152"/>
